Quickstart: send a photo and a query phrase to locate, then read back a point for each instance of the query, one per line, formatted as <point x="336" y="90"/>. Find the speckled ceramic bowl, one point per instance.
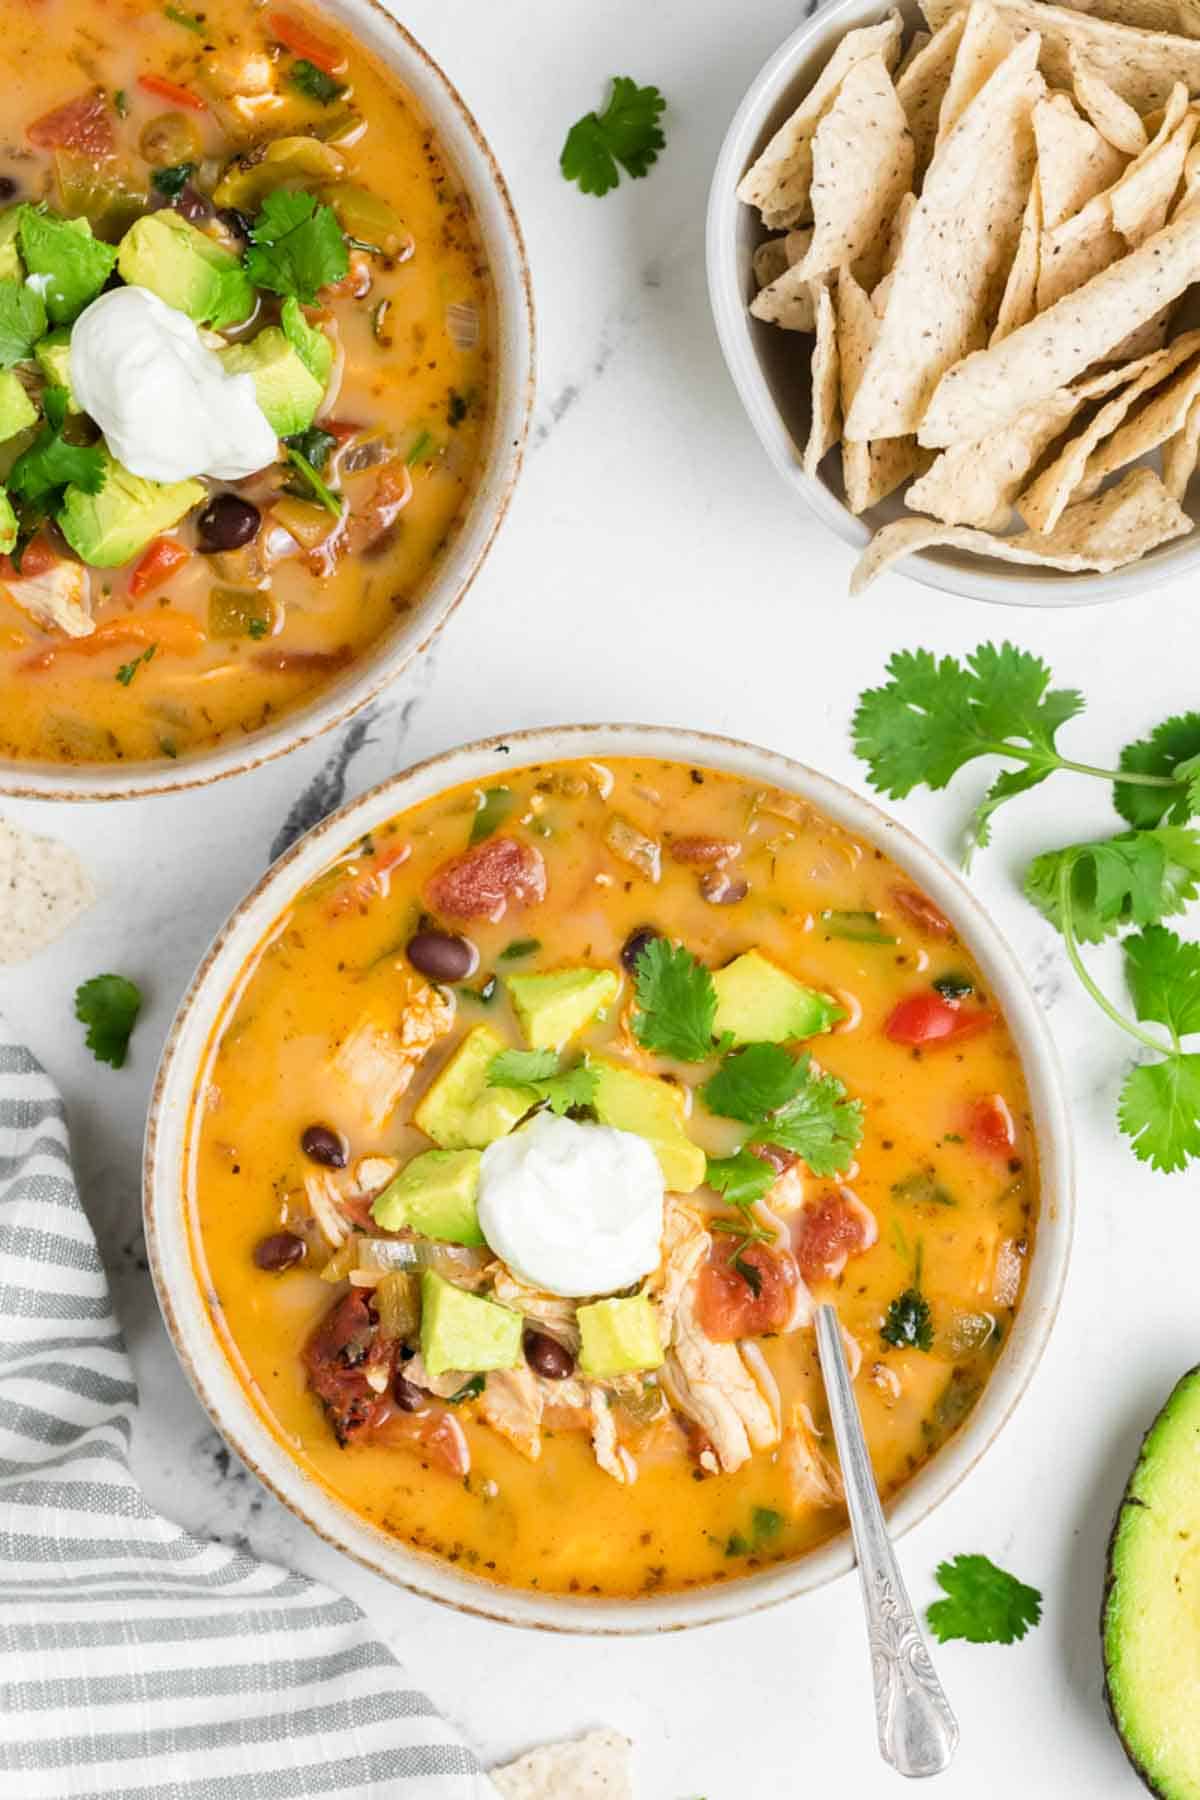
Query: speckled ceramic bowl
<point x="230" y="1405"/>
<point x="468" y="152"/>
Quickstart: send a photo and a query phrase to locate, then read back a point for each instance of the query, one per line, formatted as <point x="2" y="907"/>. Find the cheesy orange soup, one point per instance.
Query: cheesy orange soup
<point x="536" y="1127"/>
<point x="245" y="369"/>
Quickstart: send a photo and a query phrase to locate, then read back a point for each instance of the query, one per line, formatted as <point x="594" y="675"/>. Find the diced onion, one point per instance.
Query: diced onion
<point x="382" y="1255"/>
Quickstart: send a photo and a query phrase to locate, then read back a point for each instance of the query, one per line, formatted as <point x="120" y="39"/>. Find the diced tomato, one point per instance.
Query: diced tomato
<point x="303" y="42"/>
<point x="926" y="1019"/>
<point x="435" y="1433"/>
<point x="703" y="852"/>
<point x="371" y="527"/>
<point x="39" y="558"/>
<point x="990" y="1126"/>
<point x="923" y="913"/>
<point x="481" y="882"/>
<point x="173" y="91"/>
<point x="337" y="1357"/>
<point x="779" y="1160"/>
<point x="83" y="125"/>
<point x="156" y="565"/>
<point x="826" y="1234"/>
<point x="176" y="632"/>
<point x="727" y="1303"/>
<point x="372" y="881"/>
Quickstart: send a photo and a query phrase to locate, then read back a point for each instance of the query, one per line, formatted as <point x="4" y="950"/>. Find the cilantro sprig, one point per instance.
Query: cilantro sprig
<point x="627" y="133"/>
<point x="296" y="247"/>
<point x="789" y="1104"/>
<point x="541" y="1071"/>
<point x="51" y="463"/>
<point x="22" y="322"/>
<point x="108" y="1005"/>
<point x="983" y="1604"/>
<point x="676" y="1002"/>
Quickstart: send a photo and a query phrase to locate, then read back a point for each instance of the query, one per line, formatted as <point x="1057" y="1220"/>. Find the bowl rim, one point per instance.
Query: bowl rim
<point x="210" y="1369"/>
<point x="475" y="166"/>
<point x="983" y="579"/>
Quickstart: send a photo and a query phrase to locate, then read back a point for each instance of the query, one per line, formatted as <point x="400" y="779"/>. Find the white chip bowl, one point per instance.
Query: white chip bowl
<point x="229" y="1403"/>
<point x="770" y="367"/>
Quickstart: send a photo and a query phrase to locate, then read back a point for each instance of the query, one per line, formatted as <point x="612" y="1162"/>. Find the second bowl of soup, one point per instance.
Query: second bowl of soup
<point x="515" y="1124"/>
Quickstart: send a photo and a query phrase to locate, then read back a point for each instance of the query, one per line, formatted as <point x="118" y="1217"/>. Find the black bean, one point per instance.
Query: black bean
<point x="720" y="889"/>
<point x="442" y="956"/>
<point x="282" y="1250"/>
<point x="239" y="223"/>
<point x="407" y="1394"/>
<point x="546" y="1356"/>
<point x="635" y="943"/>
<point x="8" y="187"/>
<point x="192" y="206"/>
<point x="325" y="1145"/>
<point x="226" y="523"/>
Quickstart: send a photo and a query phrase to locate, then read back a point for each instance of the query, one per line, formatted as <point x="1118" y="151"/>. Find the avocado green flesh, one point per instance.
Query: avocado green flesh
<point x="465" y="1331"/>
<point x="163" y="253"/>
<point x="1151" y="1623"/>
<point x="618" y="1337"/>
<point x="115" y="524"/>
<point x="287" y="392"/>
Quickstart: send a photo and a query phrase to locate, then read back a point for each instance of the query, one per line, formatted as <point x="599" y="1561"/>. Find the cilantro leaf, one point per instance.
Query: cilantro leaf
<point x="22" y="322"/>
<point x="50" y="463"/>
<point x="626" y="132"/>
<point x="985" y="1605"/>
<point x="908" y="1324"/>
<point x="1136" y="878"/>
<point x="1164" y="978"/>
<point x="170" y="182"/>
<point x="819" y="1123"/>
<point x="1173" y="748"/>
<point x="562" y="1089"/>
<point x="676" y="1002"/>
<point x="108" y="1005"/>
<point x="754" y="1081"/>
<point x="742" y="1178"/>
<point x="297" y="246"/>
<point x="1159" y="1110"/>
<point x="314" y="83"/>
<point x="316" y="484"/>
<point x="517" y="1068"/>
<point x="314" y="446"/>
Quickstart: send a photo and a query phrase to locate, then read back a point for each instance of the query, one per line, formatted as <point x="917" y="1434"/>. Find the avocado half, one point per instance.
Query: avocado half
<point x="1151" y="1617"/>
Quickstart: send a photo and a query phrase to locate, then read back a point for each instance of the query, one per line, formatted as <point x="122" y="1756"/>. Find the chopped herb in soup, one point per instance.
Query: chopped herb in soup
<point x="539" y="1123"/>
<point x="245" y="370"/>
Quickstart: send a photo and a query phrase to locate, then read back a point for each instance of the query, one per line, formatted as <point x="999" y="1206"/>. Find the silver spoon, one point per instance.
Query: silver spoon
<point x="918" y="1734"/>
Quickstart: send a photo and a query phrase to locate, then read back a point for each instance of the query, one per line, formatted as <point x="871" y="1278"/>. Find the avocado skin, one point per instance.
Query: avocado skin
<point x="1167" y="1437"/>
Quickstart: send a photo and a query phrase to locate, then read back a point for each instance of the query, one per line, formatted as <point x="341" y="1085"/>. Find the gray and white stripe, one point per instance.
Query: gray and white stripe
<point x="136" y="1660"/>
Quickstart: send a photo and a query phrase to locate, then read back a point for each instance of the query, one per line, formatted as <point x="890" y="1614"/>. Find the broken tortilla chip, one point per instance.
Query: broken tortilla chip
<point x="976" y="483"/>
<point x="1116" y="528"/>
<point x="1142" y="198"/>
<point x="826" y="409"/>
<point x="983" y="46"/>
<point x="1164" y="414"/>
<point x="595" y="1767"/>
<point x="988" y="386"/>
<point x="1019" y="302"/>
<point x="1179" y="16"/>
<point x="921" y="86"/>
<point x="787" y="299"/>
<point x="779" y="180"/>
<point x="916" y="44"/>
<point x="1180" y="454"/>
<point x="1112" y="116"/>
<point x="862" y="168"/>
<point x="869" y="471"/>
<point x="957" y="251"/>
<point x="43" y="889"/>
<point x="1075" y="163"/>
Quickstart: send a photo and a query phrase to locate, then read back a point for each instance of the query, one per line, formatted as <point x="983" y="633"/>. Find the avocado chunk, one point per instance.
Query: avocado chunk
<point x="1151" y="1623"/>
<point x="186" y="269"/>
<point x="17" y="411"/>
<point x="465" y="1331"/>
<point x="288" y="392"/>
<point x="54" y="360"/>
<point x="553" y="1007"/>
<point x="460" y="1111"/>
<point x="653" y="1109"/>
<point x="8" y="524"/>
<point x="110" y="527"/>
<point x="435" y="1195"/>
<point x="311" y="346"/>
<point x="618" y="1337"/>
<point x="73" y="264"/>
<point x="11" y="266"/>
<point x="760" y="1003"/>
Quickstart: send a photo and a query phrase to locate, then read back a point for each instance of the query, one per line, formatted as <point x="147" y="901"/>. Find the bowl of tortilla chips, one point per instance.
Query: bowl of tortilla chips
<point x="951" y="255"/>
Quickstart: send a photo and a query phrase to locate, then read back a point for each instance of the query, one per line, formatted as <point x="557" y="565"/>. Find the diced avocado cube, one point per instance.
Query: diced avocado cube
<point x="618" y="1337"/>
<point x="653" y="1109"/>
<point x="11" y="266"/>
<point x="465" y="1331"/>
<point x="54" y="360"/>
<point x="434" y="1194"/>
<point x="311" y="346"/>
<point x="186" y="269"/>
<point x="553" y="1007"/>
<point x="288" y="393"/>
<point x="66" y="264"/>
<point x="760" y="1003"/>
<point x="8" y="524"/>
<point x="460" y="1111"/>
<point x="111" y="527"/>
<point x="17" y="411"/>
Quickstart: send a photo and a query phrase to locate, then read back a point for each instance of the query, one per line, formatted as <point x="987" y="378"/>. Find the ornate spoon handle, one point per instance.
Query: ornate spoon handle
<point x="918" y="1734"/>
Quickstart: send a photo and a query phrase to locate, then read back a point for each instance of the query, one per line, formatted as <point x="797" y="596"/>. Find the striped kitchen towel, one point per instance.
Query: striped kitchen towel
<point x="138" y="1662"/>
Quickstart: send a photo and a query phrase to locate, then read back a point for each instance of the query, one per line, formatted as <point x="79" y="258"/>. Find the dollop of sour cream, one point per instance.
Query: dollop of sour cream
<point x="167" y="408"/>
<point x="573" y="1209"/>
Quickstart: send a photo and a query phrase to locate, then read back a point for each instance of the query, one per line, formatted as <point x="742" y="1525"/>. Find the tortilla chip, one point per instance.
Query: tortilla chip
<point x="1142" y="198"/>
<point x="990" y="385"/>
<point x="1116" y="528"/>
<point x="862" y="168"/>
<point x="43" y="889"/>
<point x="1019" y="302"/>
<point x="1181" y="16"/>
<point x="984" y="44"/>
<point x="1113" y="117"/>
<point x="775" y="255"/>
<point x="977" y="483"/>
<point x="779" y="180"/>
<point x="921" y="86"/>
<point x="869" y="471"/>
<point x="1042" y="504"/>
<point x="916" y="44"/>
<point x="1164" y="414"/>
<point x="1141" y="66"/>
<point x="596" y="1767"/>
<point x="1180" y="454"/>
<point x="1074" y="162"/>
<point x="1147" y="338"/>
<point x="957" y="251"/>
<point x="787" y="301"/>
<point x="1077" y="250"/>
<point x="826" y="411"/>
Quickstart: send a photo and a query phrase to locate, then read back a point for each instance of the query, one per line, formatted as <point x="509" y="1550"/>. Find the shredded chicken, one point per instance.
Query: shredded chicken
<point x="59" y="598"/>
<point x="685" y="1244"/>
<point x="381" y="1061"/>
<point x="611" y="1456"/>
<point x="511" y="1403"/>
<point x="372" y="1174"/>
<point x="325" y="1204"/>
<point x="554" y="1315"/>
<point x="814" y="1478"/>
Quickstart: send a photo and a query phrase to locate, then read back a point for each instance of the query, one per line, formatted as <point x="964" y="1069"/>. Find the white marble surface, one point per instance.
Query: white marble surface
<point x="654" y="569"/>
